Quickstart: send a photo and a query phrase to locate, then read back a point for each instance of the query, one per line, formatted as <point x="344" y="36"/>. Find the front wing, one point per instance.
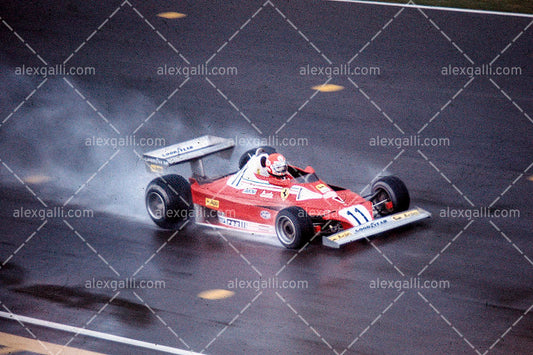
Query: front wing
<point x="374" y="227"/>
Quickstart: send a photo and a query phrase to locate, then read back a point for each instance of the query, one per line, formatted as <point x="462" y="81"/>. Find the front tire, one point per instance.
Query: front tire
<point x="294" y="227"/>
<point x="390" y="195"/>
<point x="169" y="201"/>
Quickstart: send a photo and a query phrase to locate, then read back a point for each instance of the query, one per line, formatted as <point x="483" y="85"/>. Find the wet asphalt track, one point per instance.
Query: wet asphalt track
<point x="487" y="121"/>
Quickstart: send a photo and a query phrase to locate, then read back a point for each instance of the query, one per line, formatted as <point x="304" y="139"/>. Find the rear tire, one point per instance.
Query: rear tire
<point x="387" y="190"/>
<point x="294" y="227"/>
<point x="249" y="153"/>
<point x="169" y="201"/>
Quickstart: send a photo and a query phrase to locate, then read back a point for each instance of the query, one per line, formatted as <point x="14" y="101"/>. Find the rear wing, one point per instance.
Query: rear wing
<point x="189" y="151"/>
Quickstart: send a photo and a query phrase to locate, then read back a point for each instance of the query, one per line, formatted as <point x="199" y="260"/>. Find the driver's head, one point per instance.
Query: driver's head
<point x="276" y="164"/>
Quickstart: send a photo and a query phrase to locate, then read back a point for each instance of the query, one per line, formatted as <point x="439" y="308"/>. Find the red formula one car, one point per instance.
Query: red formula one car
<point x="294" y="207"/>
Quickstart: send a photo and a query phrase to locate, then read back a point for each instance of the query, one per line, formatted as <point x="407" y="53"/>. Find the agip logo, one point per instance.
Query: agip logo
<point x="211" y="202"/>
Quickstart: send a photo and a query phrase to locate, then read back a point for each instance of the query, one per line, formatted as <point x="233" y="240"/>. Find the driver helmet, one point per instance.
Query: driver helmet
<point x="276" y="164"/>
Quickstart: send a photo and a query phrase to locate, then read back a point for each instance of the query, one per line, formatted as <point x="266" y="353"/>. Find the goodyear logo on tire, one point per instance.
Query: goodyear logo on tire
<point x="210" y="202"/>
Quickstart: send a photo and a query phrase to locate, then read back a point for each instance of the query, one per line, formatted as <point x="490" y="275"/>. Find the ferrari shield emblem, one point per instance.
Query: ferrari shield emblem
<point x="284" y="193"/>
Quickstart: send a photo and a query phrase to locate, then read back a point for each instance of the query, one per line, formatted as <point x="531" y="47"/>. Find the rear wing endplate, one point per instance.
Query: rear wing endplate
<point x="189" y="151"/>
<point x="376" y="226"/>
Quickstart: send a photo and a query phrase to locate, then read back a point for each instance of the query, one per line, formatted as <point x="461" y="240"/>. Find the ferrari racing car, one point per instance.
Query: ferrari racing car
<point x="267" y="196"/>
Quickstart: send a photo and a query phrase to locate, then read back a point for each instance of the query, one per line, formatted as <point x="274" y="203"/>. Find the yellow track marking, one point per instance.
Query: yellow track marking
<point x="217" y="294"/>
<point x="16" y="343"/>
<point x="328" y="88"/>
<point x="37" y="179"/>
<point x="171" y="15"/>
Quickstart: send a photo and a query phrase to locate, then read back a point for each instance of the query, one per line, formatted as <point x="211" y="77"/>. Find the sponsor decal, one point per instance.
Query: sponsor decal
<point x="265" y="194"/>
<point x="249" y="191"/>
<point x="367" y="226"/>
<point x="185" y="149"/>
<point x="406" y="215"/>
<point x="178" y="151"/>
<point x="233" y="222"/>
<point x="339" y="236"/>
<point x="284" y="193"/>
<point x="265" y="214"/>
<point x="322" y="188"/>
<point x="210" y="202"/>
<point x="370" y="225"/>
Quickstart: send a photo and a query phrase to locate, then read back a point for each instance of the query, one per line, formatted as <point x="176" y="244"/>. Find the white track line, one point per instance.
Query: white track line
<point x="439" y="8"/>
<point x="95" y="334"/>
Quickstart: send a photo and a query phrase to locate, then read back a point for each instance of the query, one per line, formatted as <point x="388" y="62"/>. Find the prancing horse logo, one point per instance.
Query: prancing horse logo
<point x="284" y="193"/>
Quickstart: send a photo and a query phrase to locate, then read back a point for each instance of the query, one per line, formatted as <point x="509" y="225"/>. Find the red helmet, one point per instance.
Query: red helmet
<point x="276" y="164"/>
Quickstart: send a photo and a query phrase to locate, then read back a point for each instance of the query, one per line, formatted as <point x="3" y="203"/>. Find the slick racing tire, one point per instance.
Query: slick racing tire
<point x="249" y="153"/>
<point x="169" y="201"/>
<point x="390" y="195"/>
<point x="293" y="227"/>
